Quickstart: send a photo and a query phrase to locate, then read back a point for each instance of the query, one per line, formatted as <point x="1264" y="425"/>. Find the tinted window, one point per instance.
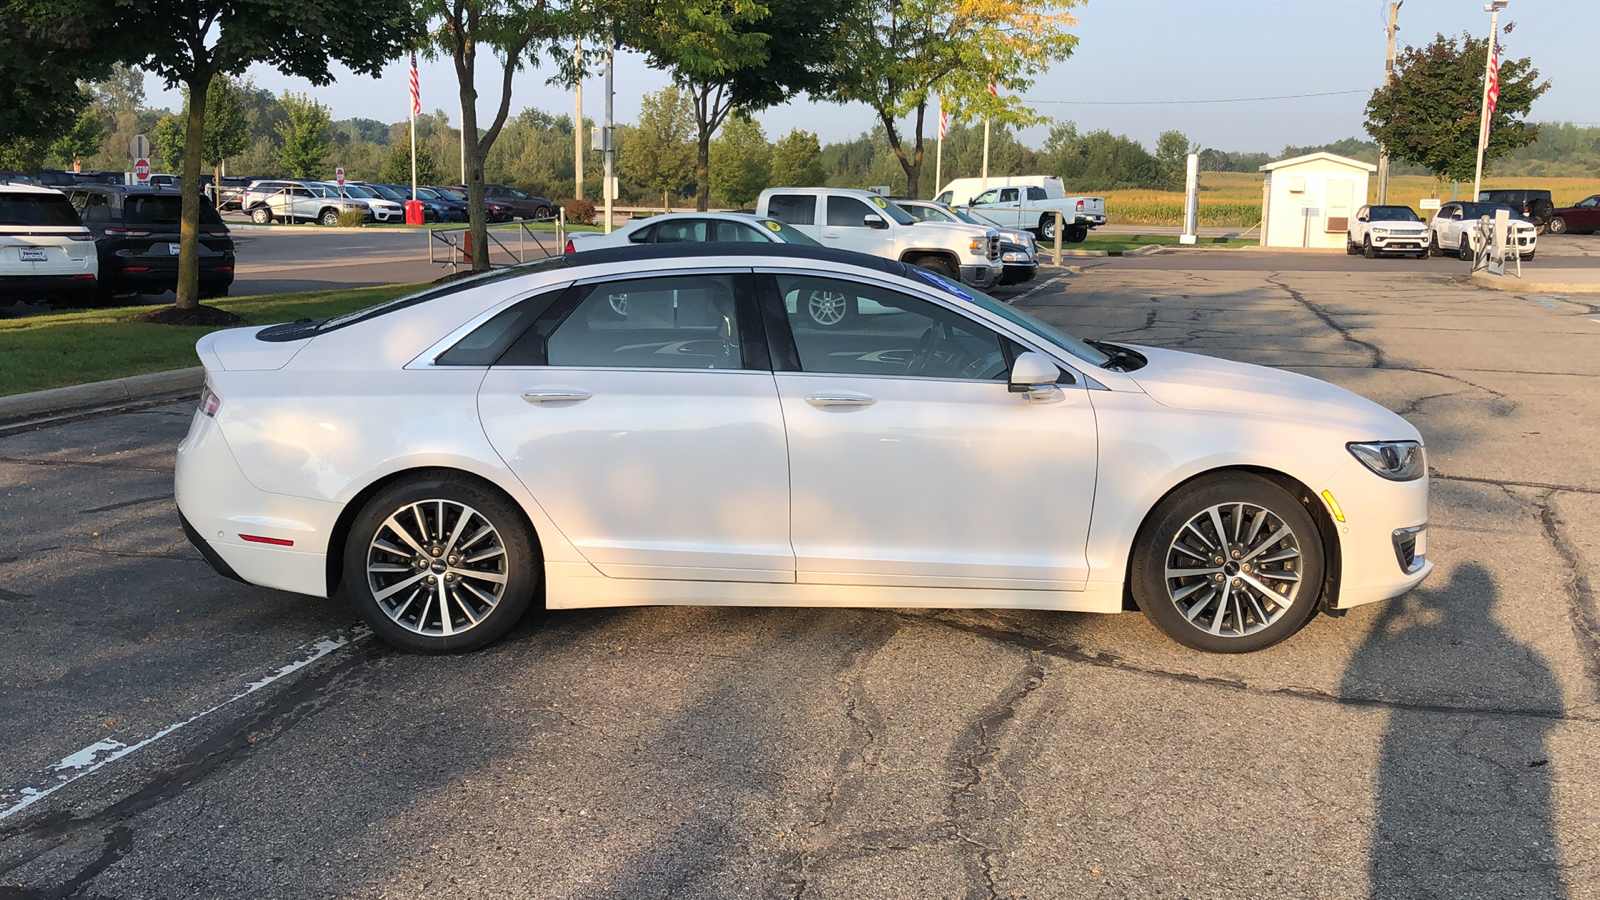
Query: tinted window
<point x="679" y="322"/>
<point x="796" y="209"/>
<point x="848" y="212"/>
<point x="486" y="342"/>
<point x="1009" y="195"/>
<point x="36" y="209"/>
<point x="849" y="328"/>
<point x="928" y="214"/>
<point x="1036" y="194"/>
<point x="1393" y="214"/>
<point x="161" y="209"/>
<point x="679" y="231"/>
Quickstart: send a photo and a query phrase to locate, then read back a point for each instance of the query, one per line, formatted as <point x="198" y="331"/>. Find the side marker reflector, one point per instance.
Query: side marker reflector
<point x="280" y="542"/>
<point x="1333" y="505"/>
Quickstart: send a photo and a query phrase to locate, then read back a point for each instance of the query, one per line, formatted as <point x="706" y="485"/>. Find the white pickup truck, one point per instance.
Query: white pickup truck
<point x="1029" y="202"/>
<point x="868" y="223"/>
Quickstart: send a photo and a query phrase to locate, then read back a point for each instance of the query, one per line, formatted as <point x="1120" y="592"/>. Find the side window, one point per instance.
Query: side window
<point x="850" y="328"/>
<point x="681" y="231"/>
<point x="486" y="342"/>
<point x="1036" y="194"/>
<point x="1009" y="195"/>
<point x="677" y="322"/>
<point x="987" y="197"/>
<point x="1589" y="203"/>
<point x="299" y="192"/>
<point x="848" y="212"/>
<point x="795" y="209"/>
<point x="738" y="232"/>
<point x="643" y="235"/>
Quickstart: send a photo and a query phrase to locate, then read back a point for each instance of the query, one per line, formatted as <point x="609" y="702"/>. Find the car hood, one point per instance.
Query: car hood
<point x="1191" y="381"/>
<point x="1400" y="223"/>
<point x="956" y="230"/>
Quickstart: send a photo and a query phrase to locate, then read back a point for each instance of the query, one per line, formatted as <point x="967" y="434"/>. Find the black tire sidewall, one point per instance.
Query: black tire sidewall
<point x="939" y="267"/>
<point x="525" y="564"/>
<point x="1146" y="574"/>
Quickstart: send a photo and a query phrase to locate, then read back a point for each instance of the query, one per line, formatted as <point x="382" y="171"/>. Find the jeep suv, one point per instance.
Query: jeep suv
<point x="45" y="252"/>
<point x="297" y="201"/>
<point x="136" y="234"/>
<point x="1536" y="206"/>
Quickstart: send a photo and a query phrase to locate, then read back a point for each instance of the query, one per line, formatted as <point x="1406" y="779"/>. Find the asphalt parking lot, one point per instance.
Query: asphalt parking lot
<point x="167" y="733"/>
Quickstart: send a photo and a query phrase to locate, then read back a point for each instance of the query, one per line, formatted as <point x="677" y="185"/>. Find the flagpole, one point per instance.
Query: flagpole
<point x="413" y="106"/>
<point x="413" y="156"/>
<point x="938" y="153"/>
<point x="1488" y="72"/>
<point x="985" y="152"/>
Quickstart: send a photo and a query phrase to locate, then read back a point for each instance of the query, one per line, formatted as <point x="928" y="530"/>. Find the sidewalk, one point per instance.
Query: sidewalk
<point x="1543" y="280"/>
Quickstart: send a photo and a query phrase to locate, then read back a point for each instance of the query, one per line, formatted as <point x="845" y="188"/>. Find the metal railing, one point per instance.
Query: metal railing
<point x="452" y="246"/>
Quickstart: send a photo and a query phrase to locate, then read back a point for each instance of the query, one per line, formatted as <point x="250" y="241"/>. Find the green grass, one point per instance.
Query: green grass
<point x="1121" y="243"/>
<point x="81" y="346"/>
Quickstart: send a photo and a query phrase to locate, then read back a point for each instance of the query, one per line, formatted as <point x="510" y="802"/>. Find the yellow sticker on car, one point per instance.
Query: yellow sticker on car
<point x="772" y="226"/>
<point x="882" y="203"/>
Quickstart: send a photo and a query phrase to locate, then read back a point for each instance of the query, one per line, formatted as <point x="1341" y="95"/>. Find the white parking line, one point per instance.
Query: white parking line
<point x="1035" y="289"/>
<point x="101" y="753"/>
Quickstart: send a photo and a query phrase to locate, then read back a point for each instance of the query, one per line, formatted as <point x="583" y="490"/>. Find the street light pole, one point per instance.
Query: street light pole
<point x="610" y="151"/>
<point x="577" y="127"/>
<point x="1388" y="76"/>
<point x="1493" y="9"/>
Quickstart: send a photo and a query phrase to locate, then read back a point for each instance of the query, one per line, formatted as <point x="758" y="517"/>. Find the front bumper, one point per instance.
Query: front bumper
<point x="1017" y="273"/>
<point x="1399" y="243"/>
<point x="982" y="276"/>
<point x="221" y="510"/>
<point x="1383" y="540"/>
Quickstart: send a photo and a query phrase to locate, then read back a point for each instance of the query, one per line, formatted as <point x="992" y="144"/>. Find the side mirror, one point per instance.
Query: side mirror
<point x="872" y="221"/>
<point x="1035" y="375"/>
<point x="1363" y="218"/>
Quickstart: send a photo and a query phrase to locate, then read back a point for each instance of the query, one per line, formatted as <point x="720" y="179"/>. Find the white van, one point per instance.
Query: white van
<point x="46" y="253"/>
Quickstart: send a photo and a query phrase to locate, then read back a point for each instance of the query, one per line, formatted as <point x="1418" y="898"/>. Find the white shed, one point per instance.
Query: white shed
<point x="1307" y="201"/>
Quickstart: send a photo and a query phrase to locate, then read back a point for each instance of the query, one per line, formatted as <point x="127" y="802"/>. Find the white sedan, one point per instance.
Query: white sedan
<point x="447" y="457"/>
<point x="692" y="228"/>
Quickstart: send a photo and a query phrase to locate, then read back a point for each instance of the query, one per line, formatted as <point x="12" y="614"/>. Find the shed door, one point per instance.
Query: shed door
<point x="1339" y="193"/>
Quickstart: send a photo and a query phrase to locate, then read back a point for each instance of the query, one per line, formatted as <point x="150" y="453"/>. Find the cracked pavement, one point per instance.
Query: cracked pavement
<point x="1445" y="744"/>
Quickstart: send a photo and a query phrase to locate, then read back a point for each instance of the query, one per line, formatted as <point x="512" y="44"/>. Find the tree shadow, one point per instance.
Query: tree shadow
<point x="1463" y="806"/>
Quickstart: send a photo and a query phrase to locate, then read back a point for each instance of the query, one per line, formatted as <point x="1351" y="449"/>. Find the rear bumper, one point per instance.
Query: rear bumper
<point x="163" y="276"/>
<point x="24" y="286"/>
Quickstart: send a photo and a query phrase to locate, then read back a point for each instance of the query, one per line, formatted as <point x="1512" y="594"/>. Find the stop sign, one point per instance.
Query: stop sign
<point x="339" y="174"/>
<point x="141" y="170"/>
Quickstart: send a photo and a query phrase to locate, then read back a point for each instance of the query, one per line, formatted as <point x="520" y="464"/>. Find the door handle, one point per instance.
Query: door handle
<point x="555" y="395"/>
<point x="830" y="234"/>
<point x="840" y="399"/>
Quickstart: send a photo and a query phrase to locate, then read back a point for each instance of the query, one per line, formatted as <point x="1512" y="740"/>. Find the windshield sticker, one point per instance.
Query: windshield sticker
<point x="943" y="283"/>
<point x="882" y="203"/>
<point x="772" y="226"/>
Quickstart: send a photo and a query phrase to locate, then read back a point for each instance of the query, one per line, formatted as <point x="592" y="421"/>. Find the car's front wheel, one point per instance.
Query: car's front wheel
<point x="261" y="215"/>
<point x="329" y="217"/>
<point x="439" y="563"/>
<point x="1228" y="564"/>
<point x="1433" y="244"/>
<point x="1367" y="250"/>
<point x="1557" y="225"/>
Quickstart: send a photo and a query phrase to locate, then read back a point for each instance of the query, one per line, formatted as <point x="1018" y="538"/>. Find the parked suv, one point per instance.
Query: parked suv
<point x="1386" y="229"/>
<point x="1535" y="206"/>
<point x="296" y="201"/>
<point x="45" y="252"/>
<point x="523" y="205"/>
<point x="1455" y="229"/>
<point x="136" y="233"/>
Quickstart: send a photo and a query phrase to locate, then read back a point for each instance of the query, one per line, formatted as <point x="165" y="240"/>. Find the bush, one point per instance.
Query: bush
<point x="352" y="218"/>
<point x="579" y="212"/>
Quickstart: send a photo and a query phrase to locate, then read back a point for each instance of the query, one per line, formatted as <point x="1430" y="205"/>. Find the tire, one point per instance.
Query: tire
<point x="261" y="215"/>
<point x="329" y="217"/>
<point x="1529" y="256"/>
<point x="1465" y="253"/>
<point x="1219" y="621"/>
<point x="1433" y="244"/>
<point x="1047" y="229"/>
<point x="1075" y="234"/>
<point x="505" y="556"/>
<point x="543" y="212"/>
<point x="938" y="265"/>
<point x="1350" y="247"/>
<point x="214" y="293"/>
<point x="1367" y="248"/>
<point x="1558" y="225"/>
<point x="829" y="309"/>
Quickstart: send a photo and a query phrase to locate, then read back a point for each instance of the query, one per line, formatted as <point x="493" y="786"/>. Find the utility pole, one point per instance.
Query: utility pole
<point x="1489" y="62"/>
<point x="611" y="153"/>
<point x="577" y="126"/>
<point x="1388" y="76"/>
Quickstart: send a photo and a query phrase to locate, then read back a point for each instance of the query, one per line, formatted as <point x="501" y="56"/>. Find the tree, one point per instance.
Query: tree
<point x="899" y="56"/>
<point x="1172" y="152"/>
<point x="227" y="128"/>
<point x="733" y="54"/>
<point x="1430" y="113"/>
<point x="659" y="155"/>
<point x="81" y="140"/>
<point x="306" y="135"/>
<point x="397" y="165"/>
<point x="47" y="49"/>
<point x="741" y="160"/>
<point x="797" y="161"/>
<point x="513" y="30"/>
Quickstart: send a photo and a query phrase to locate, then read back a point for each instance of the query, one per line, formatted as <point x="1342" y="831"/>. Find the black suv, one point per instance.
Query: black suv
<point x="136" y="235"/>
<point x="1536" y="206"/>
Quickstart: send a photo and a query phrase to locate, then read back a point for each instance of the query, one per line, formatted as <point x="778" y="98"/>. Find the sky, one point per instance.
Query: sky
<point x="1141" y="67"/>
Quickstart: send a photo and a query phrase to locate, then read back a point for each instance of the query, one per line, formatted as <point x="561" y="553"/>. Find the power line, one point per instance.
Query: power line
<point x="1173" y="102"/>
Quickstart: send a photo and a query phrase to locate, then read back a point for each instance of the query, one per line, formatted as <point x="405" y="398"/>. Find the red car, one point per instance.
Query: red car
<point x="1581" y="217"/>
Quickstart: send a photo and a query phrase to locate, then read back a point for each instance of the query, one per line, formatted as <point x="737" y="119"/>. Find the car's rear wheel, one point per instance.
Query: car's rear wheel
<point x="439" y="563"/>
<point x="1228" y="564"/>
<point x="1075" y="234"/>
<point x="1558" y="225"/>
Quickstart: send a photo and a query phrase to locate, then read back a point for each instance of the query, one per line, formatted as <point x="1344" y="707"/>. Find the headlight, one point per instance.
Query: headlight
<point x="1394" y="460"/>
<point x="1016" y="257"/>
<point x="1380" y="231"/>
<point x="978" y="245"/>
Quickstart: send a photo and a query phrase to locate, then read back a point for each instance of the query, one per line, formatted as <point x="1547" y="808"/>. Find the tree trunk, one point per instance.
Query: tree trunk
<point x="189" y="235"/>
<point x="477" y="213"/>
<point x="702" y="169"/>
<point x="912" y="164"/>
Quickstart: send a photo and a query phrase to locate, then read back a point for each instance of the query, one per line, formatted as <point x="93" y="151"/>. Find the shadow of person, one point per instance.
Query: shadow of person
<point x="1463" y="798"/>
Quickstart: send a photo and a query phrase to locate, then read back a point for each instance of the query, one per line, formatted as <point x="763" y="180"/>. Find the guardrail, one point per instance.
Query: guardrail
<point x="452" y="246"/>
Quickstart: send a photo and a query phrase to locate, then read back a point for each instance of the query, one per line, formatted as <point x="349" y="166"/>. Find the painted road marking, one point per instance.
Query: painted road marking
<point x="1036" y="289"/>
<point x="97" y="755"/>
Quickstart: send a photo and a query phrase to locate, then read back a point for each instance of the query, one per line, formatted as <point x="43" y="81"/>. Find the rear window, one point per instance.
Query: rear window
<point x="146" y="209"/>
<point x="37" y="209"/>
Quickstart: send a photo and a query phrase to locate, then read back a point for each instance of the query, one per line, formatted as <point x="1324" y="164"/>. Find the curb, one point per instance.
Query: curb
<point x="1146" y="250"/>
<point x="100" y="393"/>
<point x="1509" y="283"/>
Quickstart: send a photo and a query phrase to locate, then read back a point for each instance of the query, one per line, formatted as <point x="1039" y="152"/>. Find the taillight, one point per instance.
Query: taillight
<point x="1080" y="206"/>
<point x="209" y="401"/>
<point x="570" y="248"/>
<point x="128" y="232"/>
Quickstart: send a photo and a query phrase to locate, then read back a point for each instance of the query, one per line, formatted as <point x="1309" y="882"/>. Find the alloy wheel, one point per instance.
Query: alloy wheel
<point x="437" y="567"/>
<point x="1233" y="569"/>
<point x="827" y="307"/>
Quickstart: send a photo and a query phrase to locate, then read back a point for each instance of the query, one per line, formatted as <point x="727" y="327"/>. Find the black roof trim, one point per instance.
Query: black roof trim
<point x="604" y="255"/>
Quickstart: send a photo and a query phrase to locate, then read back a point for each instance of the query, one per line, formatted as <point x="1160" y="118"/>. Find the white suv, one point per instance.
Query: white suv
<point x="1386" y="229"/>
<point x="46" y="253"/>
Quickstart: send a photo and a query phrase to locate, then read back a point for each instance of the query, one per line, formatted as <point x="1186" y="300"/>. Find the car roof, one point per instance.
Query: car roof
<point x="643" y="252"/>
<point x="671" y="217"/>
<point x="29" y="189"/>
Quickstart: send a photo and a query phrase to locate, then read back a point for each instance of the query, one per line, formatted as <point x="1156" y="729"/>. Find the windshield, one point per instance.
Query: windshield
<point x="354" y="190"/>
<point x="929" y="213"/>
<point x="455" y="194"/>
<point x="789" y="235"/>
<point x="972" y="218"/>
<point x="1393" y="214"/>
<point x="894" y="212"/>
<point x="386" y="192"/>
<point x="427" y="193"/>
<point x="1049" y="333"/>
<point x="1479" y="210"/>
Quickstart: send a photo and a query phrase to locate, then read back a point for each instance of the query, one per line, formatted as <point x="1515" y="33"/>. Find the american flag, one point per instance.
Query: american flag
<point x="1491" y="96"/>
<point x="944" y="119"/>
<point x="416" y="93"/>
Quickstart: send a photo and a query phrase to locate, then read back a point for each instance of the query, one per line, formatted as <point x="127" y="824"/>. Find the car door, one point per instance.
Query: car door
<point x="911" y="462"/>
<point x="651" y="436"/>
<point x="1587" y="216"/>
<point x="990" y="205"/>
<point x="846" y="226"/>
